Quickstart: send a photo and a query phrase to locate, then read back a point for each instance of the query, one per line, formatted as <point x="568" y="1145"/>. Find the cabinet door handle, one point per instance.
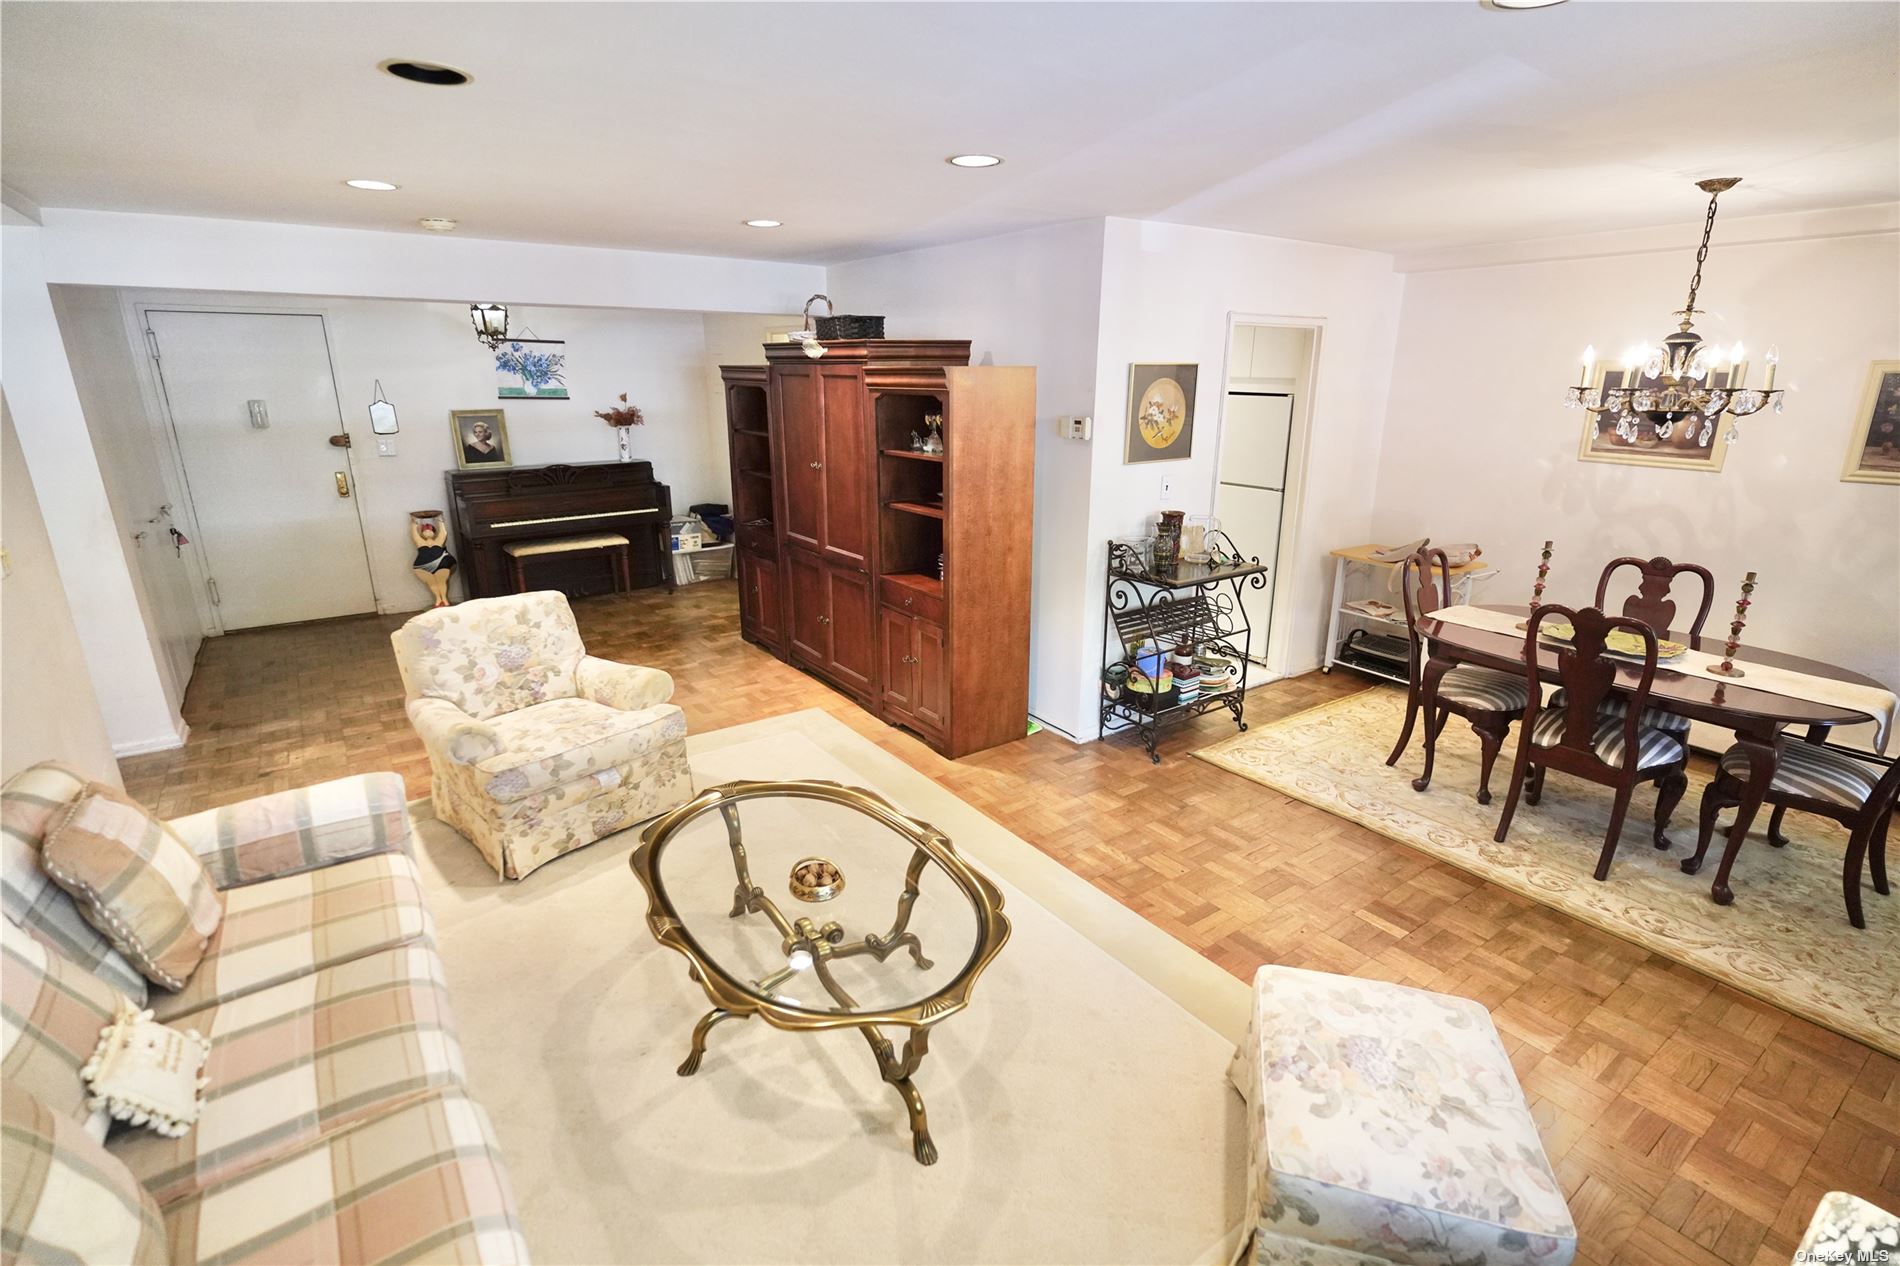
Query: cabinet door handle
<point x="908" y="601"/>
<point x="755" y="589"/>
<point x="817" y="465"/>
<point x="824" y="619"/>
<point x="910" y="659"/>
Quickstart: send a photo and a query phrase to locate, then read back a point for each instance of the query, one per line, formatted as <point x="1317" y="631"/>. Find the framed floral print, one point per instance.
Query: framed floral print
<point x="531" y="369"/>
<point x="1683" y="450"/>
<point x="1160" y="413"/>
<point x="1873" y="447"/>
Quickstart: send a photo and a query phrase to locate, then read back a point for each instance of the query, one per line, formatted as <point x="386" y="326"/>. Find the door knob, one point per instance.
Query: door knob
<point x="342" y="484"/>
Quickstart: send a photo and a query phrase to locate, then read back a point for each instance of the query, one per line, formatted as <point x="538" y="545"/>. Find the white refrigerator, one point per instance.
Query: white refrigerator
<point x="1248" y="500"/>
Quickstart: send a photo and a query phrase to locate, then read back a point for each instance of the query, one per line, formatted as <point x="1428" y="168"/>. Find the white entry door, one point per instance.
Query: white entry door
<point x="1251" y="492"/>
<point x="253" y="403"/>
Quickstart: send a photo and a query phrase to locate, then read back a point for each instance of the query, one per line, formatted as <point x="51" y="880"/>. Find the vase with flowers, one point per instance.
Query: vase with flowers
<point x="623" y="417"/>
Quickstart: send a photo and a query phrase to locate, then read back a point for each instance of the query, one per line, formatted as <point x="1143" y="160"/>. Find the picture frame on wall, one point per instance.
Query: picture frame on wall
<point x="481" y="439"/>
<point x="531" y="369"/>
<point x="1599" y="441"/>
<point x="1873" y="446"/>
<point x="1160" y="413"/>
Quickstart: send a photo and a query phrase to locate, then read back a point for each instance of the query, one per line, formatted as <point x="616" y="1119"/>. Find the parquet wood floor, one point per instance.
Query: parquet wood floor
<point x="1688" y="1123"/>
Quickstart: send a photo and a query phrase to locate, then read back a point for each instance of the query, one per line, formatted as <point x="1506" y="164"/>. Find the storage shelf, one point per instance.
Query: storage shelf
<point x="746" y="430"/>
<point x="912" y="455"/>
<point x="920" y="581"/>
<point x="916" y="507"/>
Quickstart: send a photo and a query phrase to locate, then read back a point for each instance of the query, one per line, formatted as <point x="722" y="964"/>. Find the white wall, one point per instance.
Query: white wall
<point x="92" y="325"/>
<point x="47" y="708"/>
<point x="429" y="363"/>
<point x="1478" y="446"/>
<point x="1167" y="293"/>
<point x="1029" y="298"/>
<point x="730" y="340"/>
<point x="59" y="455"/>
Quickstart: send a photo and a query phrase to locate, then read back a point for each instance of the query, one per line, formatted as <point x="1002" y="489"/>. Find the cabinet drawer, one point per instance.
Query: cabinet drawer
<point x="911" y="599"/>
<point x="757" y="538"/>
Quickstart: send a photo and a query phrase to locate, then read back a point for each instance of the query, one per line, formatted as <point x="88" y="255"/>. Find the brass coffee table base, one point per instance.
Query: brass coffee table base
<point x="820" y="944"/>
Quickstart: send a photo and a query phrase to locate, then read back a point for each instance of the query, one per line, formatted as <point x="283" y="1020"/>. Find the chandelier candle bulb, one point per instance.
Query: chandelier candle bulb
<point x="1727" y="667"/>
<point x="1774" y="361"/>
<point x="1589" y="363"/>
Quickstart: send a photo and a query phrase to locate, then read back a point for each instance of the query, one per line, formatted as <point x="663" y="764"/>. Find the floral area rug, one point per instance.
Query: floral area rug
<point x="1786" y="939"/>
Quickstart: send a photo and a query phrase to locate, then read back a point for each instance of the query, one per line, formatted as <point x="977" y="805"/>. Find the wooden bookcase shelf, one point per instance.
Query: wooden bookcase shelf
<point x="917" y="507"/>
<point x="911" y="455"/>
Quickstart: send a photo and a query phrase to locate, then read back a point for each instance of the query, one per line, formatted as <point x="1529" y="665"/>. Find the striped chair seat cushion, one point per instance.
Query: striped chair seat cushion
<point x="1808" y="769"/>
<point x="303" y="1059"/>
<point x="1486" y="688"/>
<point x="281" y="929"/>
<point x="1653" y="747"/>
<point x="1616" y="707"/>
<point x="421" y="1181"/>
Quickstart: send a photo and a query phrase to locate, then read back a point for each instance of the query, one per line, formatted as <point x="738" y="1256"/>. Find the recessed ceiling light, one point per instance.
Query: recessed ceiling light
<point x="424" y="72"/>
<point x="378" y="186"/>
<point x="1519" y="4"/>
<point x="973" y="160"/>
<point x="763" y="224"/>
<point x="437" y="223"/>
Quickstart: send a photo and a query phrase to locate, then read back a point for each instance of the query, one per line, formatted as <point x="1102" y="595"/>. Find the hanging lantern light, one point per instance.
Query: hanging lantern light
<point x="491" y="323"/>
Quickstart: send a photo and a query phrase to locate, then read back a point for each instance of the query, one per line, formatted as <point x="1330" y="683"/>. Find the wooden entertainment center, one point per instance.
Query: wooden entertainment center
<point x="841" y="522"/>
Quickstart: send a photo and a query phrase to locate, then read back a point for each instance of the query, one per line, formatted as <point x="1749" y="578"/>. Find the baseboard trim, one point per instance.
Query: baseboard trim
<point x="159" y="743"/>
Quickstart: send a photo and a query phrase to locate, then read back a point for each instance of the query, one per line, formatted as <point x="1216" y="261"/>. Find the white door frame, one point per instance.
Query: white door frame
<point x="1293" y="501"/>
<point x="165" y="438"/>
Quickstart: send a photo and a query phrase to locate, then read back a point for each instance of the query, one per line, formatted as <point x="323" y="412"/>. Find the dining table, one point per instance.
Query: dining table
<point x="1760" y="717"/>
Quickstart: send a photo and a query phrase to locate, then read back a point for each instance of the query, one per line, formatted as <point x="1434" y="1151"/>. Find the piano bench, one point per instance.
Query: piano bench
<point x="519" y="552"/>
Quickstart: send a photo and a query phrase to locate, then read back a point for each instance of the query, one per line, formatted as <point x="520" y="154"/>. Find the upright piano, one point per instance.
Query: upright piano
<point x="491" y="508"/>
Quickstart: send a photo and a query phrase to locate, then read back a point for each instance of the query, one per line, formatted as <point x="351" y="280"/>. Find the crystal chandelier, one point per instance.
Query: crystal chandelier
<point x="1681" y="383"/>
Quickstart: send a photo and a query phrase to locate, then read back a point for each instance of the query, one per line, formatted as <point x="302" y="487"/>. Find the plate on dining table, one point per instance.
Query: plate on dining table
<point x="1617" y="642"/>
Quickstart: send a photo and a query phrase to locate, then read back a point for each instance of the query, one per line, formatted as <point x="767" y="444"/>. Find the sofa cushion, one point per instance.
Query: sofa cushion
<point x="28" y="804"/>
<point x="1387" y="1122"/>
<point x="555" y="743"/>
<point x="135" y="881"/>
<point x="270" y="836"/>
<point x="420" y="1181"/>
<point x="51" y="1014"/>
<point x="64" y="1198"/>
<point x="284" y="928"/>
<point x="302" y="1059"/>
<point x="488" y="656"/>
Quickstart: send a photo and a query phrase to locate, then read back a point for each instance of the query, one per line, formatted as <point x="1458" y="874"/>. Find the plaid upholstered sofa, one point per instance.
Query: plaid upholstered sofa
<point x="337" y="1125"/>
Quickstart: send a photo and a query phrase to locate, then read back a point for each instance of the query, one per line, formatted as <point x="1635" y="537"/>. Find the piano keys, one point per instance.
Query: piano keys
<point x="492" y="508"/>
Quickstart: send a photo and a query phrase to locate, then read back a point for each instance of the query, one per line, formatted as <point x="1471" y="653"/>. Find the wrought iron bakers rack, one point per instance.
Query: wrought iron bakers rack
<point x="1187" y="606"/>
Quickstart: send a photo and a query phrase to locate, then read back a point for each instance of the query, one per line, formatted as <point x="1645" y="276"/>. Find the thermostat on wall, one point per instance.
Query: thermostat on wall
<point x="1071" y="427"/>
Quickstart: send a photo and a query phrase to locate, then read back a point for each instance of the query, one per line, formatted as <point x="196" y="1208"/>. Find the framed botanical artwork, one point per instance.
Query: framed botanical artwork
<point x="531" y="369"/>
<point x="481" y="438"/>
<point x="1683" y="450"/>
<point x="1873" y="448"/>
<point x="1160" y="413"/>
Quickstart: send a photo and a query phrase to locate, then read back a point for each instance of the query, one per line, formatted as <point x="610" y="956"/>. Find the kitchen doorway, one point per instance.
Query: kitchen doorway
<point x="1263" y="425"/>
<point x="252" y="404"/>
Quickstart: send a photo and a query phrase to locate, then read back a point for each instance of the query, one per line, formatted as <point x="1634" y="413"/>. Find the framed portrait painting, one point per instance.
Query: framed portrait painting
<point x="481" y="438"/>
<point x="1873" y="447"/>
<point x="1683" y="450"/>
<point x="1160" y="413"/>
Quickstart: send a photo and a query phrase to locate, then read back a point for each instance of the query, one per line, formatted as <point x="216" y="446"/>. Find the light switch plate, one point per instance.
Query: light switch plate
<point x="1167" y="485"/>
<point x="385" y="446"/>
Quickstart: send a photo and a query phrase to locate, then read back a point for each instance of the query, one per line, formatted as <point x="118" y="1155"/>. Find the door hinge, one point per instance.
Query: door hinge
<point x="151" y="341"/>
<point x="211" y="587"/>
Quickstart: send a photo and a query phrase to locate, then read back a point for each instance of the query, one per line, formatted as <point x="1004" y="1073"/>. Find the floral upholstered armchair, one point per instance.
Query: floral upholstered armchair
<point x="537" y="748"/>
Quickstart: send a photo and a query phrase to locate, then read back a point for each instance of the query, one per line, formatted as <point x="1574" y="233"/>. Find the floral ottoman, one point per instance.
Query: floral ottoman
<point x="1850" y="1232"/>
<point x="1385" y="1125"/>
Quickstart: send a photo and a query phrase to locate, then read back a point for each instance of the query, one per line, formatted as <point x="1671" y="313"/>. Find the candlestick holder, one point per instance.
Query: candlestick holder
<point x="1537" y="589"/>
<point x="1727" y="667"/>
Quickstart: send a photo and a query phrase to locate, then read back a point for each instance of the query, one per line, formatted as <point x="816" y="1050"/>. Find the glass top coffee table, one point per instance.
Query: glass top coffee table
<point x="799" y="917"/>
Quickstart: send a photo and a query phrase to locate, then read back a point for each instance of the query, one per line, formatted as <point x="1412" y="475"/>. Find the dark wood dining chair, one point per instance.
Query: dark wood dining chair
<point x="1489" y="698"/>
<point x="1652" y="604"/>
<point x="1809" y="778"/>
<point x="1577" y="739"/>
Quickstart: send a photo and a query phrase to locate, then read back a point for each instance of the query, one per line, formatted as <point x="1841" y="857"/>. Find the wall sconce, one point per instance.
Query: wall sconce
<point x="491" y="323"/>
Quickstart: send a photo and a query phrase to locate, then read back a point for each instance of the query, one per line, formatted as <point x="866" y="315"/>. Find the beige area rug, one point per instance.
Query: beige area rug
<point x="1786" y="939"/>
<point x="1080" y="1104"/>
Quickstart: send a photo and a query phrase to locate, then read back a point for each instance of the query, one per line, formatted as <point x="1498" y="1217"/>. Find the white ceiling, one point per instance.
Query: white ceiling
<point x="1401" y="127"/>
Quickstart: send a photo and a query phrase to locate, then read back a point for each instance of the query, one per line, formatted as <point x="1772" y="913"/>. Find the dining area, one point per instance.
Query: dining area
<point x="1608" y="694"/>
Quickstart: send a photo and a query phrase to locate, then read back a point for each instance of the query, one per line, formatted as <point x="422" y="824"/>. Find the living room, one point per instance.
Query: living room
<point x="458" y="503"/>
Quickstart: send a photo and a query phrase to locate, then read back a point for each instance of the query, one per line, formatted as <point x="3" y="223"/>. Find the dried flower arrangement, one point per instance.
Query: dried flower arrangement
<point x="623" y="414"/>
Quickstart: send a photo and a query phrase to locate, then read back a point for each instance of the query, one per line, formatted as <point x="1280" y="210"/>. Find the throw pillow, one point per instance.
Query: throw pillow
<point x="49" y="1024"/>
<point x="135" y="881"/>
<point x="64" y="1198"/>
<point x="145" y="1073"/>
